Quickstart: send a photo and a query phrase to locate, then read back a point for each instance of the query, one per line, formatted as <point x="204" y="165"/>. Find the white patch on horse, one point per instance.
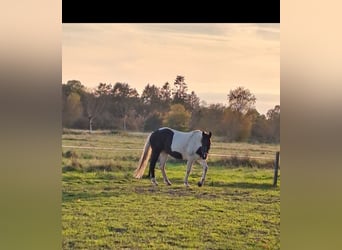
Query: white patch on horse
<point x="186" y="143"/>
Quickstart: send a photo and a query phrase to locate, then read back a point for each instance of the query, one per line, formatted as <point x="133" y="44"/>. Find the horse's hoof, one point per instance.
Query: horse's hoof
<point x="187" y="185"/>
<point x="154" y="181"/>
<point x="200" y="184"/>
<point x="168" y="183"/>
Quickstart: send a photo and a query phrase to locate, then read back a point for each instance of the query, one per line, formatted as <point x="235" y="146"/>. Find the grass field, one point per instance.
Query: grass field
<point x="104" y="207"/>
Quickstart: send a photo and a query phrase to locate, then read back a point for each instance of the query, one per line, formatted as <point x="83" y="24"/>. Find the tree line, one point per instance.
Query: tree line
<point x="120" y="107"/>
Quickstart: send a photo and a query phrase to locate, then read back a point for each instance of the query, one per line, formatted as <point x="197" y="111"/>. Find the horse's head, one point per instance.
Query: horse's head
<point x="205" y="144"/>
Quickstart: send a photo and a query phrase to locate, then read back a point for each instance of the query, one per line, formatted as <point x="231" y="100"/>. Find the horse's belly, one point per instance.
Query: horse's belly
<point x="182" y="156"/>
<point x="176" y="155"/>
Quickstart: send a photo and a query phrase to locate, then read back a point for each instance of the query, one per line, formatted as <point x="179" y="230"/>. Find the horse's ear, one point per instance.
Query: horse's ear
<point x="204" y="133"/>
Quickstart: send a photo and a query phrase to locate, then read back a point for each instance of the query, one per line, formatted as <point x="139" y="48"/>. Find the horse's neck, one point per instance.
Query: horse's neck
<point x="193" y="141"/>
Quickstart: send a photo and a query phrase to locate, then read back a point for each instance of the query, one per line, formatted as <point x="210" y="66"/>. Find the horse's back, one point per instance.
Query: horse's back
<point x="179" y="133"/>
<point x="176" y="143"/>
<point x="161" y="138"/>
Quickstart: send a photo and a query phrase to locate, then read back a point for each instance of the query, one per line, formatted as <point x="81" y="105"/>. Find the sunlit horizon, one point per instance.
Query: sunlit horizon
<point x="213" y="58"/>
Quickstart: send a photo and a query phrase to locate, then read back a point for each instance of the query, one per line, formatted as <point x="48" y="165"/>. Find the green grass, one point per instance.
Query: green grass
<point x="104" y="207"/>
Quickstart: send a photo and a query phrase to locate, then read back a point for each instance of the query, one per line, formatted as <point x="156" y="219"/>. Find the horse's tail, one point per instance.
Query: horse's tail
<point x="145" y="156"/>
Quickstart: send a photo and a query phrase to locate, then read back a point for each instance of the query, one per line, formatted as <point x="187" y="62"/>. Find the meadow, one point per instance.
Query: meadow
<point x="104" y="207"/>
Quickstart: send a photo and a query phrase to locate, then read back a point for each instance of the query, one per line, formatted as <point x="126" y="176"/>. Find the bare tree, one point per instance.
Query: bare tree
<point x="95" y="103"/>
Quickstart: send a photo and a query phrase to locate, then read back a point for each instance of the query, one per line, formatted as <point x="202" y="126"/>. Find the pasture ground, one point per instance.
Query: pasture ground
<point x="104" y="207"/>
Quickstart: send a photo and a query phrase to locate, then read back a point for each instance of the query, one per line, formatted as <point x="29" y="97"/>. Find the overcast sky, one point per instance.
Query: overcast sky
<point x="214" y="58"/>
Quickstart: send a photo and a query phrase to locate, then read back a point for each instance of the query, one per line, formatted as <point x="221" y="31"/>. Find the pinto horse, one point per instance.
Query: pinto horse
<point x="191" y="146"/>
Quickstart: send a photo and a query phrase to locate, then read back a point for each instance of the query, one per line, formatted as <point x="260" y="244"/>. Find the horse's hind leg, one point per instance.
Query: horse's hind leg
<point x="154" y="159"/>
<point x="163" y="158"/>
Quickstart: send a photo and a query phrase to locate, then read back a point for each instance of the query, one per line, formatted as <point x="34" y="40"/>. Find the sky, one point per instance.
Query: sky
<point x="214" y="58"/>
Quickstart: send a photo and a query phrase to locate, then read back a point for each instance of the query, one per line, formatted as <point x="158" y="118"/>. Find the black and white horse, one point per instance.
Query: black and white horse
<point x="190" y="146"/>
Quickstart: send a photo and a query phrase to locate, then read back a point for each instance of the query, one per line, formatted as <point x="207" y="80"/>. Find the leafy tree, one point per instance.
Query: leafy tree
<point x="192" y="101"/>
<point x="72" y="109"/>
<point x="180" y="90"/>
<point x="124" y="100"/>
<point x="208" y="118"/>
<point x="178" y="117"/>
<point x="151" y="98"/>
<point x="253" y="114"/>
<point x="103" y="89"/>
<point x="231" y="124"/>
<point x="165" y="97"/>
<point x="72" y="94"/>
<point x="273" y="114"/>
<point x="150" y="94"/>
<point x="241" y="100"/>
<point x="153" y="122"/>
<point x="260" y="130"/>
<point x="266" y="128"/>
<point x="123" y="90"/>
<point x="73" y="86"/>
<point x="166" y="93"/>
<point x="273" y="117"/>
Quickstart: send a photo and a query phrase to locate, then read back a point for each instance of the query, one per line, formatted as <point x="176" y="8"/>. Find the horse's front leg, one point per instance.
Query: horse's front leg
<point x="205" y="169"/>
<point x="188" y="170"/>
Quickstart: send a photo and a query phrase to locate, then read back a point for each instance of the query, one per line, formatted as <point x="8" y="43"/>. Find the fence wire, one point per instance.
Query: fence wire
<point x="139" y="149"/>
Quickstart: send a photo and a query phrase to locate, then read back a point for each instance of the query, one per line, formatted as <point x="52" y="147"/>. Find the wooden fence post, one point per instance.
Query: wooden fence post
<point x="276" y="167"/>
